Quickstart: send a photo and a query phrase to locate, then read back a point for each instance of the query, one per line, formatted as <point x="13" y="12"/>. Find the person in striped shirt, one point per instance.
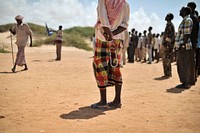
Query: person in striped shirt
<point x="184" y="48"/>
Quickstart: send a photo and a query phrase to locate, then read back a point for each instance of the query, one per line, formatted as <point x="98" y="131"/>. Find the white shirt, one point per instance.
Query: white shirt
<point x="126" y="38"/>
<point x="157" y="43"/>
<point x="59" y="35"/>
<point x="122" y="21"/>
<point x="22" y="33"/>
<point x="140" y="40"/>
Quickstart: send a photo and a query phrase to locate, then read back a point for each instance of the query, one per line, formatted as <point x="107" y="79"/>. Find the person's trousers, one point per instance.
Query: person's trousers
<point x="184" y="65"/>
<point x="198" y="61"/>
<point x="58" y="51"/>
<point x="150" y="53"/>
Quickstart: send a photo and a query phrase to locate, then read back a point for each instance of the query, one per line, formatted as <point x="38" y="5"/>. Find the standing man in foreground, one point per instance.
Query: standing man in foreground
<point x="184" y="48"/>
<point x="22" y="32"/>
<point x="113" y="17"/>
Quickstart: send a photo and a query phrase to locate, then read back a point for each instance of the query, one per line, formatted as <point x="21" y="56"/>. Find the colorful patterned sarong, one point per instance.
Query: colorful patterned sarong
<point x="105" y="74"/>
<point x="20" y="59"/>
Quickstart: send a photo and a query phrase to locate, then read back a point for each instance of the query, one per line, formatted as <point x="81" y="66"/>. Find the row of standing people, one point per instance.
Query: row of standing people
<point x="185" y="45"/>
<point x="143" y="48"/>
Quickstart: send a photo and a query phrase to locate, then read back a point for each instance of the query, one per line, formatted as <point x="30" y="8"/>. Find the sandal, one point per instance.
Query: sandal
<point x="98" y="105"/>
<point x="115" y="105"/>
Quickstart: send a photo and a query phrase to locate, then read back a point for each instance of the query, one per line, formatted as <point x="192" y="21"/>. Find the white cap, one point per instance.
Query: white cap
<point x="19" y="17"/>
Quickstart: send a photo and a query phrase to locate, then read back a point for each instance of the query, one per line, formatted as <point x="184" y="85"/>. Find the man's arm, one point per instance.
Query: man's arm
<point x="30" y="40"/>
<point x="13" y="31"/>
<point x="118" y="30"/>
<point x="107" y="34"/>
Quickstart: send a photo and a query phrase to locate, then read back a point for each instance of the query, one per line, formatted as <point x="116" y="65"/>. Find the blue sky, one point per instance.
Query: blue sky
<point x="153" y="12"/>
<point x="69" y="13"/>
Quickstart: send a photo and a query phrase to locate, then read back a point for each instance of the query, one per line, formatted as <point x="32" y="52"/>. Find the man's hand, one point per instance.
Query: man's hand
<point x="119" y="30"/>
<point x="12" y="31"/>
<point x="31" y="44"/>
<point x="107" y="34"/>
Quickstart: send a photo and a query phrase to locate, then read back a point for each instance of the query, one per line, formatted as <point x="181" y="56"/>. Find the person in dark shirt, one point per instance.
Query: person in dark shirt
<point x="194" y="40"/>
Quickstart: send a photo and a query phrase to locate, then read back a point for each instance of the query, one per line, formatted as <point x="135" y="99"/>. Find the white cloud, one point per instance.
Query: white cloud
<point x="55" y="12"/>
<point x="71" y="13"/>
<point x="141" y="21"/>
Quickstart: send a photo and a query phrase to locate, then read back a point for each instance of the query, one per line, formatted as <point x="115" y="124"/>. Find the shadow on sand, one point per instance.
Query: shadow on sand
<point x="36" y="60"/>
<point x="50" y="60"/>
<point x="12" y="72"/>
<point x="53" y="60"/>
<point x="175" y="90"/>
<point x="85" y="113"/>
<point x="161" y="78"/>
<point x="6" y="72"/>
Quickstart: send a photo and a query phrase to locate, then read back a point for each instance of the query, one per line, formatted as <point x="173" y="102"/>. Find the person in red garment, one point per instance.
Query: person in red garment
<point x="113" y="17"/>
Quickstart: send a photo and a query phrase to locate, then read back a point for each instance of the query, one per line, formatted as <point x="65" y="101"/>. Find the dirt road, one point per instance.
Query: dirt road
<point x="55" y="97"/>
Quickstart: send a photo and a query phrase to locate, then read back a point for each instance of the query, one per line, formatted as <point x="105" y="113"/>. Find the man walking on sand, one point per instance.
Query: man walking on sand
<point x="22" y="32"/>
<point x="168" y="45"/>
<point x="113" y="17"/>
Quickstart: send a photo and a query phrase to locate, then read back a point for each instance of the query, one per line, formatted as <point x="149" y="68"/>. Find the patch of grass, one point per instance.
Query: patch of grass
<point x="4" y="51"/>
<point x="83" y="31"/>
<point x="37" y="43"/>
<point x="74" y="37"/>
<point x="38" y="29"/>
<point x="77" y="41"/>
<point x="6" y="27"/>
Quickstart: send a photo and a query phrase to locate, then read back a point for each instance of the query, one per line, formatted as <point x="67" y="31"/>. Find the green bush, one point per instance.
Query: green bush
<point x="3" y="51"/>
<point x="37" y="29"/>
<point x="74" y="37"/>
<point x="75" y="40"/>
<point x="6" y="27"/>
<point x="83" y="31"/>
<point x="38" y="43"/>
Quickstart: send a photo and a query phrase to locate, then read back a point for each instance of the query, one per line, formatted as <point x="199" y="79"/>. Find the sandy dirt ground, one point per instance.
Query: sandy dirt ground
<point x="55" y="96"/>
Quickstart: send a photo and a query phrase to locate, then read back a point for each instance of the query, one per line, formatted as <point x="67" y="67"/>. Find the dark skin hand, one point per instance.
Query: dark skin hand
<point x="109" y="35"/>
<point x="118" y="30"/>
<point x="12" y="31"/>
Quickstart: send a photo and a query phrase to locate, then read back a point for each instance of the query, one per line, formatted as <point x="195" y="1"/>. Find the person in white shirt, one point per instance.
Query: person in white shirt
<point x="138" y="50"/>
<point x="58" y="41"/>
<point x="144" y="46"/>
<point x="157" y="47"/>
<point x="125" y="46"/>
